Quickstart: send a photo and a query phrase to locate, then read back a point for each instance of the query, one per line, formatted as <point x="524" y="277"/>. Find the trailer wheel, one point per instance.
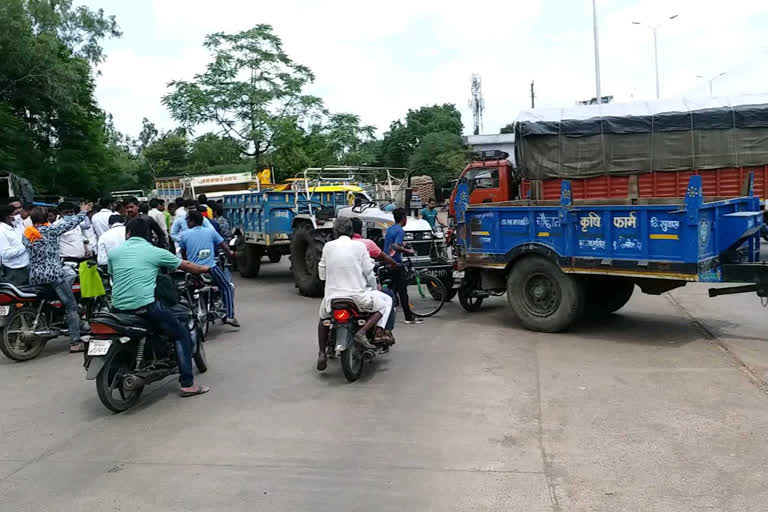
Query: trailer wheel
<point x="274" y="256"/>
<point x="542" y="296"/>
<point x="606" y="295"/>
<point x="306" y="251"/>
<point x="249" y="259"/>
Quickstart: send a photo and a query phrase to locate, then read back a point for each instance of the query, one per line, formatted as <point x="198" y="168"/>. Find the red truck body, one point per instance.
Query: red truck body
<point x="495" y="180"/>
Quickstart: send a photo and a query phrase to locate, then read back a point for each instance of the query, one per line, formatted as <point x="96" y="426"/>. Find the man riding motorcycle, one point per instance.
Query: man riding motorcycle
<point x="347" y="271"/>
<point x="134" y="267"/>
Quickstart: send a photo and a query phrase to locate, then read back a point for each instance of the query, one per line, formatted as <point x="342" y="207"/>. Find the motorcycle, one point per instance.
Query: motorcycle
<point x="34" y="315"/>
<point x="346" y="319"/>
<point x="208" y="302"/>
<point x="124" y="354"/>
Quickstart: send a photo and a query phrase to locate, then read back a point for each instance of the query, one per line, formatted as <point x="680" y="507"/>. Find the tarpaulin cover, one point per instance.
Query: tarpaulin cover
<point x="638" y="137"/>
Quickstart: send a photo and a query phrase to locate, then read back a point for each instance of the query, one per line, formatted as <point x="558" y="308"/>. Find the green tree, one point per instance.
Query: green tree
<point x="441" y="155"/>
<point x="212" y="150"/>
<point x="403" y="138"/>
<point x="52" y="130"/>
<point x="168" y="155"/>
<point x="250" y="87"/>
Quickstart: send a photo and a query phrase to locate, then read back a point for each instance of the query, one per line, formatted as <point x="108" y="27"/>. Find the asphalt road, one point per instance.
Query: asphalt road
<point x="646" y="411"/>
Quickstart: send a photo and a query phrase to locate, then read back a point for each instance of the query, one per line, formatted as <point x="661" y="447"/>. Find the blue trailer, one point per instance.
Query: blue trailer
<point x="266" y="222"/>
<point x="559" y="260"/>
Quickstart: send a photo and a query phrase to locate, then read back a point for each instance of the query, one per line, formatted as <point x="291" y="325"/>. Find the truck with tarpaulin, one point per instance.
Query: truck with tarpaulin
<point x="558" y="258"/>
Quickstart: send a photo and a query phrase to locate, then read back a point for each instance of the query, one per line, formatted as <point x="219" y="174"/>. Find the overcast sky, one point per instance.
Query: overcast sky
<point x="378" y="59"/>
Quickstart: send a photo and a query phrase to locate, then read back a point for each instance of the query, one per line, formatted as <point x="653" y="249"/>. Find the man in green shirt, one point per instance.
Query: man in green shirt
<point x="429" y="213"/>
<point x="134" y="267"/>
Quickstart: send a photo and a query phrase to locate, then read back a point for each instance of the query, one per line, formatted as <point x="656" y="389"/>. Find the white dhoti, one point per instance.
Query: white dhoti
<point x="372" y="301"/>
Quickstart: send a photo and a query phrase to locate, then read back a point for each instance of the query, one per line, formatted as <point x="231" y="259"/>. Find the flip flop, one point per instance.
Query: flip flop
<point x="201" y="390"/>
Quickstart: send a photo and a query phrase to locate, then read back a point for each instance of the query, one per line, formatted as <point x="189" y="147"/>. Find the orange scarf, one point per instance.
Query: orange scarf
<point x="32" y="233"/>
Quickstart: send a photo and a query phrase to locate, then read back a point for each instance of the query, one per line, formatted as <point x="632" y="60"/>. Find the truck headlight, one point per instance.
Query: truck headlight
<point x="409" y="236"/>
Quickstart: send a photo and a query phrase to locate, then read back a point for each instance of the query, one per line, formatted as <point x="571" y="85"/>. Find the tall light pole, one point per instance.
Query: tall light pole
<point x="597" y="54"/>
<point x="655" y="29"/>
<point x="710" y="80"/>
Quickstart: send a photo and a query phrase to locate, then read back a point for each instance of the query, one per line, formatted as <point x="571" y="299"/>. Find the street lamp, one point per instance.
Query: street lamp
<point x="597" y="54"/>
<point x="710" y="80"/>
<point x="655" y="29"/>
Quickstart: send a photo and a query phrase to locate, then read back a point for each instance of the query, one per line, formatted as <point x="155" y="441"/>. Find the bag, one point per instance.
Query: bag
<point x="90" y="281"/>
<point x="165" y="290"/>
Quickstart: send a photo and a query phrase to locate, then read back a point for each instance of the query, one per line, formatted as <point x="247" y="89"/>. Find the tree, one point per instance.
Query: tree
<point x="441" y="155"/>
<point x="52" y="130"/>
<point x="212" y="150"/>
<point x="403" y="138"/>
<point x="249" y="89"/>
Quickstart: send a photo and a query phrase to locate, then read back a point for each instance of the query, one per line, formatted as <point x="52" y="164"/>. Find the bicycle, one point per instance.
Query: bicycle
<point x="426" y="293"/>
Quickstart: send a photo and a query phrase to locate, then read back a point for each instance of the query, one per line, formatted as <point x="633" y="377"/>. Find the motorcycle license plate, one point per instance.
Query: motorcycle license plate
<point x="4" y="310"/>
<point x="99" y="347"/>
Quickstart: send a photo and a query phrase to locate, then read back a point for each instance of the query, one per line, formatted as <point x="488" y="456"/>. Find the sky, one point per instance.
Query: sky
<point x="379" y="59"/>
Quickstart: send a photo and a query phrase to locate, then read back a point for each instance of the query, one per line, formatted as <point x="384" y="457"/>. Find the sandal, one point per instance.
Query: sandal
<point x="76" y="348"/>
<point x="199" y="390"/>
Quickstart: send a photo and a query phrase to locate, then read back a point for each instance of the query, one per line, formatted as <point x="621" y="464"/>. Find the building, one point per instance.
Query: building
<point x="500" y="141"/>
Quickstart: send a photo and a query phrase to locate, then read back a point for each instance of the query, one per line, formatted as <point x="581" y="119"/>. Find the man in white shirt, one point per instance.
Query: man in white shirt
<point x="347" y="271"/>
<point x="100" y="219"/>
<point x="12" y="251"/>
<point x="181" y="211"/>
<point x="18" y="221"/>
<point x="73" y="245"/>
<point x="157" y="206"/>
<point x="115" y="237"/>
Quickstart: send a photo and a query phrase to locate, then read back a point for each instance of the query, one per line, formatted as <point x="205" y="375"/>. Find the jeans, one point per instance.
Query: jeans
<point x="16" y="276"/>
<point x="162" y="318"/>
<point x="393" y="314"/>
<point x="64" y="291"/>
<point x="400" y="286"/>
<point x="225" y="289"/>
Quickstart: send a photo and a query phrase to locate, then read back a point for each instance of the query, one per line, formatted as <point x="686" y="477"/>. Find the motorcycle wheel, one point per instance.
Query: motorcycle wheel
<point x="12" y="342"/>
<point x="201" y="360"/>
<point x="109" y="381"/>
<point x="201" y="311"/>
<point x="352" y="363"/>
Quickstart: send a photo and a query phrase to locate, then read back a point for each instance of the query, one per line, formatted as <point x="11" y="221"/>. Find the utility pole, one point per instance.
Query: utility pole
<point x="533" y="96"/>
<point x="597" y="54"/>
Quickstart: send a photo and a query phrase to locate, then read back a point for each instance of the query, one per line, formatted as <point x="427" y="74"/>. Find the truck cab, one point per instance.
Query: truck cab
<point x="489" y="178"/>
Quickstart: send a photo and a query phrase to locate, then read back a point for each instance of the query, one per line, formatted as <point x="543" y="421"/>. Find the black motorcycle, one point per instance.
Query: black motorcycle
<point x="345" y="321"/>
<point x="124" y="353"/>
<point x="34" y="315"/>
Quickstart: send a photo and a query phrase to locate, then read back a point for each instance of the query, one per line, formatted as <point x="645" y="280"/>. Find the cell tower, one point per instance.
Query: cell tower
<point x="476" y="103"/>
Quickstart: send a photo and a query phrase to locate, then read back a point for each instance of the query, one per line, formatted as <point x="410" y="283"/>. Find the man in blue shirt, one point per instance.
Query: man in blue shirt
<point x="393" y="245"/>
<point x="198" y="244"/>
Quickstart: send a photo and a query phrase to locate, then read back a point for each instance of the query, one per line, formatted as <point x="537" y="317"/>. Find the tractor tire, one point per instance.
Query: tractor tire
<point x="274" y="256"/>
<point x="306" y="251"/>
<point x="543" y="297"/>
<point x="606" y="295"/>
<point x="249" y="260"/>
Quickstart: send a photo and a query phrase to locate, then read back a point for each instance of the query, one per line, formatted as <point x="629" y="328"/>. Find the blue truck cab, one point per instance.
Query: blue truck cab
<point x="559" y="260"/>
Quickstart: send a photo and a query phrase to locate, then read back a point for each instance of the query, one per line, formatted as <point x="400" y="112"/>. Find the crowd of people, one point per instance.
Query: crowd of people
<point x="129" y="239"/>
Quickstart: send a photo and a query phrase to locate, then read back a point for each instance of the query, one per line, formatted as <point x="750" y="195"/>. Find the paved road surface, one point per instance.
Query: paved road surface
<point x="643" y="411"/>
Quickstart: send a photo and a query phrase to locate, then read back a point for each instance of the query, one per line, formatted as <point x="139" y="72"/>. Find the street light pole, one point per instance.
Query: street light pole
<point x="597" y="54"/>
<point x="655" y="29"/>
<point x="710" y="80"/>
<point x="656" y="58"/>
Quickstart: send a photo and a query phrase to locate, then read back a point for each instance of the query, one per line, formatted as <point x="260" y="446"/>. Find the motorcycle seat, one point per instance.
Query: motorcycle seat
<point x="124" y="323"/>
<point x="345" y="304"/>
<point x="29" y="291"/>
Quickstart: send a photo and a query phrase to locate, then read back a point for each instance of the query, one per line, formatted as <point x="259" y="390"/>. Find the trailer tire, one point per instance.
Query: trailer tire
<point x="249" y="260"/>
<point x="542" y="296"/>
<point x="606" y="295"/>
<point x="274" y="256"/>
<point x="306" y="251"/>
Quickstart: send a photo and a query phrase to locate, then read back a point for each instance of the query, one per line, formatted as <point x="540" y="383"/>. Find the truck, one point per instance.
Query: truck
<point x="559" y="258"/>
<point x="214" y="186"/>
<point x="297" y="218"/>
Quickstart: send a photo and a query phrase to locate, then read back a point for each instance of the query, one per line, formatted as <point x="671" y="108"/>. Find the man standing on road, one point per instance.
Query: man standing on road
<point x="13" y="254"/>
<point x="134" y="267"/>
<point x="156" y="212"/>
<point x="198" y="244"/>
<point x="132" y="211"/>
<point x="347" y="271"/>
<point x="18" y="221"/>
<point x="114" y="237"/>
<point x="100" y="219"/>
<point x="393" y="245"/>
<point x="73" y="245"/>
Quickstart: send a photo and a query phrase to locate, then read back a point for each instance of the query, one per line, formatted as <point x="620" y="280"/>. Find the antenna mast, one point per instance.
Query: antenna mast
<point x="476" y="103"/>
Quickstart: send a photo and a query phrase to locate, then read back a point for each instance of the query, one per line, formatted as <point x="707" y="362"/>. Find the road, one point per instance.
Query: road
<point x="649" y="410"/>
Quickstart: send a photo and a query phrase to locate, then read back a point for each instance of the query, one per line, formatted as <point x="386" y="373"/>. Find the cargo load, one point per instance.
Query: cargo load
<point x="623" y="139"/>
